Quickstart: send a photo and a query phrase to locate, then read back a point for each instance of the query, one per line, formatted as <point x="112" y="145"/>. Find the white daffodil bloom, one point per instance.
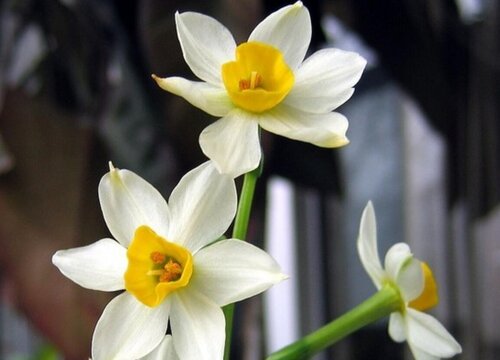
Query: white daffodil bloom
<point x="414" y="281"/>
<point x="165" y="258"/>
<point x="263" y="82"/>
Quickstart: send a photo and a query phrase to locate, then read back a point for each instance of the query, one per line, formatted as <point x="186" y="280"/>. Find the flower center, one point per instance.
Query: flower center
<point x="170" y="270"/>
<point x="429" y="296"/>
<point x="156" y="267"/>
<point x="259" y="78"/>
<point x="250" y="84"/>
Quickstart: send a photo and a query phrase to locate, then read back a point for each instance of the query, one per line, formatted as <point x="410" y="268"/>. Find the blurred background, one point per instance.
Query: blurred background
<point x="75" y="92"/>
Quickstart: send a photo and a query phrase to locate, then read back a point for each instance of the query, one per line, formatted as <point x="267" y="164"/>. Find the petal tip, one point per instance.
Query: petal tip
<point x="345" y="141"/>
<point x="336" y="142"/>
<point x="114" y="174"/>
<point x="282" y="277"/>
<point x="56" y="258"/>
<point x="177" y="16"/>
<point x="161" y="82"/>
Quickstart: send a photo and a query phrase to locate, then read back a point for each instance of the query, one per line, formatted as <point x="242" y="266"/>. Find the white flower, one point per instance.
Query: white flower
<point x="427" y="338"/>
<point x="174" y="275"/>
<point x="263" y="82"/>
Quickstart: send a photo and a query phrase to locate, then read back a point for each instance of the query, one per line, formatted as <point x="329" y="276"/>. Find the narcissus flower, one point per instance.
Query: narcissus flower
<point x="263" y="82"/>
<point x="174" y="275"/>
<point x="414" y="281"/>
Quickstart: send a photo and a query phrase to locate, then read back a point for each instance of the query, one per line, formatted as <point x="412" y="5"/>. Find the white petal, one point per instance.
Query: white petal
<point x="202" y="207"/>
<point x="128" y="329"/>
<point x="128" y="201"/>
<point x="163" y="351"/>
<point x="396" y="257"/>
<point x="427" y="334"/>
<point x="397" y="330"/>
<point x="419" y="354"/>
<point x="289" y="30"/>
<point x="367" y="245"/>
<point x="206" y="45"/>
<point x="325" y="130"/>
<point x="233" y="270"/>
<point x="209" y="98"/>
<point x="232" y="143"/>
<point x="198" y="326"/>
<point x="325" y="80"/>
<point x="98" y="266"/>
<point x="411" y="280"/>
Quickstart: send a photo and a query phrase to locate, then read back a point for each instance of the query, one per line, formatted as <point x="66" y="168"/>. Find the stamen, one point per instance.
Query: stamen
<point x="244" y="84"/>
<point x="255" y="80"/>
<point x="252" y="83"/>
<point x="157" y="257"/>
<point x="173" y="271"/>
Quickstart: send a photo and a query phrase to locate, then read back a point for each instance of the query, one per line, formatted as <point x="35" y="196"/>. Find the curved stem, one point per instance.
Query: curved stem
<point x="383" y="303"/>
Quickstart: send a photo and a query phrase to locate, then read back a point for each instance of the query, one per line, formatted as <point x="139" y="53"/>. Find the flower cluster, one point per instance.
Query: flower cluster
<point x="170" y="259"/>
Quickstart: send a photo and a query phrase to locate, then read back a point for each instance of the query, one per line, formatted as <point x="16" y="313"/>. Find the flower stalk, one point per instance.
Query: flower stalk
<point x="378" y="306"/>
<point x="240" y="230"/>
<point x="245" y="204"/>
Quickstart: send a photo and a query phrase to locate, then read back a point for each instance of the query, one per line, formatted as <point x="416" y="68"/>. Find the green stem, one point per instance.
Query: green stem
<point x="383" y="303"/>
<point x="240" y="232"/>
<point x="245" y="204"/>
